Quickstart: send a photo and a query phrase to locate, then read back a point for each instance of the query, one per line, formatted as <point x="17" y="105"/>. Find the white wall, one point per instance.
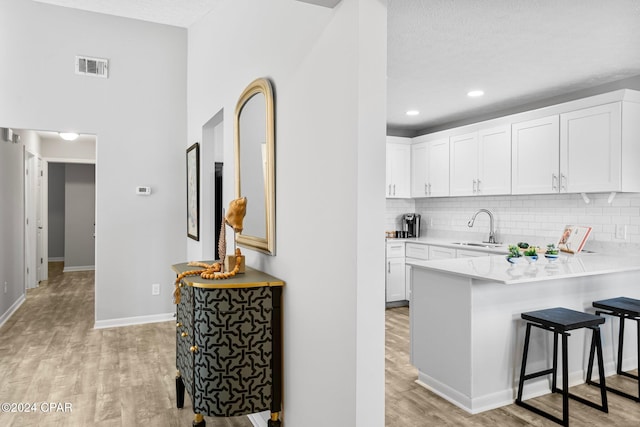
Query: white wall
<point x="139" y="116"/>
<point x="80" y="192"/>
<point x="11" y="227"/>
<point x="328" y="70"/>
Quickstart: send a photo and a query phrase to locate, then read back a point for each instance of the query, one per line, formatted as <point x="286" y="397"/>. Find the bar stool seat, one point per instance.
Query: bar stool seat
<point x="625" y="309"/>
<point x="560" y="321"/>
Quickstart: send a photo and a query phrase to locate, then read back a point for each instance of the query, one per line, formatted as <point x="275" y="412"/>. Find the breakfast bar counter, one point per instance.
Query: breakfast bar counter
<point x="467" y="334"/>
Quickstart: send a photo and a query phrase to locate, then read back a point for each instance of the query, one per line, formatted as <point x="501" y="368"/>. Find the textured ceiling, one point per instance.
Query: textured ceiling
<point x="517" y="51"/>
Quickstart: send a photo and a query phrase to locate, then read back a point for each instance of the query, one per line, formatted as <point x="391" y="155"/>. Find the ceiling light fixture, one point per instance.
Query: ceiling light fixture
<point x="475" y="93"/>
<point x="413" y="112"/>
<point x="68" y="136"/>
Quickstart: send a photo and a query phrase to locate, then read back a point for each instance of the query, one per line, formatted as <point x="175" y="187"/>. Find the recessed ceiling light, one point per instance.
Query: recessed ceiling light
<point x="475" y="93"/>
<point x="68" y="136"/>
<point x="413" y="112"/>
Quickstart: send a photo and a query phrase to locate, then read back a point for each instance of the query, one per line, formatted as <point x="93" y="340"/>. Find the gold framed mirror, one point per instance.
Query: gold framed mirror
<point x="254" y="132"/>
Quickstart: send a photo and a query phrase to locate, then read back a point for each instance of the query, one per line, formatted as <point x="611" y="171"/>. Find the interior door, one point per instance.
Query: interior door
<point x="30" y="245"/>
<point x="41" y="229"/>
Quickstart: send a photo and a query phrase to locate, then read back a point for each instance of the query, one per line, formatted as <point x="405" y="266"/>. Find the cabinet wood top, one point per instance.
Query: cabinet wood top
<point x="249" y="279"/>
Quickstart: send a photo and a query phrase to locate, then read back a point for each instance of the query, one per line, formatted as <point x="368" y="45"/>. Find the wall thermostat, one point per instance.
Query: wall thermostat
<point x="143" y="191"/>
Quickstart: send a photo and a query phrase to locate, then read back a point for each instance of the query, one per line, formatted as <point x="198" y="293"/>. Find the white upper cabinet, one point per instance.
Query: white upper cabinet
<point x="438" y="167"/>
<point x="494" y="167"/>
<point x="398" y="168"/>
<point x="430" y="168"/>
<point x="577" y="152"/>
<point x="535" y="156"/>
<point x="464" y="164"/>
<point x="481" y="162"/>
<point x="581" y="146"/>
<point x="590" y="149"/>
<point x="419" y="177"/>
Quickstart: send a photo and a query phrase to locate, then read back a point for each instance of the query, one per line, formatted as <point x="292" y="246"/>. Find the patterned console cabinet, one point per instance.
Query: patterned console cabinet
<point x="229" y="345"/>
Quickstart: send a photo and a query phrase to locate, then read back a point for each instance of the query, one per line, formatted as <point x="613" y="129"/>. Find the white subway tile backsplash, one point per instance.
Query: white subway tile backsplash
<point x="539" y="216"/>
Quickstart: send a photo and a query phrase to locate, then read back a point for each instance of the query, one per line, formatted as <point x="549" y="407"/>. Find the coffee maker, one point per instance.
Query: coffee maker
<point x="411" y="224"/>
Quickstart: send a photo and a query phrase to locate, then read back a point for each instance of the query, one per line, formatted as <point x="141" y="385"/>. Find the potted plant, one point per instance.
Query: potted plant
<point x="514" y="254"/>
<point x="531" y="254"/>
<point x="552" y="252"/>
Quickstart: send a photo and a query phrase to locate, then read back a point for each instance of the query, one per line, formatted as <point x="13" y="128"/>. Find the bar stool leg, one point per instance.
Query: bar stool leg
<point x="565" y="381"/>
<point x="524" y="362"/>
<point x="554" y="380"/>
<point x="638" y="355"/>
<point x="620" y="344"/>
<point x="597" y="341"/>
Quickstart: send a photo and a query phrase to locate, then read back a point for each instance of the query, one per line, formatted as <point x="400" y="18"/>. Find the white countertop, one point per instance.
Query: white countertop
<point x="496" y="268"/>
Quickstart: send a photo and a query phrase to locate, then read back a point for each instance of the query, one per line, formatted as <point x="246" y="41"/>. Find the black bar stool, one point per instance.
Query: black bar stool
<point x="559" y="321"/>
<point x="623" y="308"/>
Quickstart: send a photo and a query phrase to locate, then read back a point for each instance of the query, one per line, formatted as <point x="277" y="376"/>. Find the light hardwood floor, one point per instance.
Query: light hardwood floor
<point x="410" y="405"/>
<point x="49" y="352"/>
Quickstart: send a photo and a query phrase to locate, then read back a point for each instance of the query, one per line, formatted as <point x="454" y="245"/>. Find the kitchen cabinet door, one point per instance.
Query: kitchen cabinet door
<point x="590" y="149"/>
<point x="494" y="161"/>
<point x="398" y="170"/>
<point x="438" y="168"/>
<point x="419" y="180"/>
<point x="463" y="173"/>
<point x="481" y="162"/>
<point x="396" y="279"/>
<point x="535" y="156"/>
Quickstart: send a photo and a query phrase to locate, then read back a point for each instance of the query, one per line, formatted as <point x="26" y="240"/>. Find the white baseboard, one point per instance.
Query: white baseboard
<point x="56" y="259"/>
<point x="7" y="314"/>
<point x="260" y="419"/>
<point x="137" y="320"/>
<point x="79" y="268"/>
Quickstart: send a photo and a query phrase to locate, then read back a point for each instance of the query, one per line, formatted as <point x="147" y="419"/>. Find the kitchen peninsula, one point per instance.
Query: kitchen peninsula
<point x="467" y="334"/>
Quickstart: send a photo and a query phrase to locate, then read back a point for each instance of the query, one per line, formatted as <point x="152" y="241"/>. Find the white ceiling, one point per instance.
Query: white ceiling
<point x="180" y="13"/>
<point x="517" y="51"/>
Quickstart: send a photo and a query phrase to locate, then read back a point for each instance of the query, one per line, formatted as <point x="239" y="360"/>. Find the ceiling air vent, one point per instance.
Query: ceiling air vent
<point x="88" y="66"/>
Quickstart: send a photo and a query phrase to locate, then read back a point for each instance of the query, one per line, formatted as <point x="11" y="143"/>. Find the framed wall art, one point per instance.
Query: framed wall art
<point x="193" y="191"/>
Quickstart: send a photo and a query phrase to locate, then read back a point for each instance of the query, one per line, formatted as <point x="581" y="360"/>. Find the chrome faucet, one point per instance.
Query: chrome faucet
<point x="492" y="232"/>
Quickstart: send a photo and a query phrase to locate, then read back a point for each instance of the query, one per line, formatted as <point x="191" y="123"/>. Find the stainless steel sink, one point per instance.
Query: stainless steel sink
<point x="478" y="244"/>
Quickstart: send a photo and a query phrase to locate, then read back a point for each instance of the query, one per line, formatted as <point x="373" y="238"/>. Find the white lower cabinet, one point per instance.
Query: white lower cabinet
<point x="399" y="273"/>
<point x="395" y="272"/>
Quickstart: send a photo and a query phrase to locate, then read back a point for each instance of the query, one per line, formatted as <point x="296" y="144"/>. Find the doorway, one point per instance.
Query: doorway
<point x="212" y="156"/>
<point x="59" y="188"/>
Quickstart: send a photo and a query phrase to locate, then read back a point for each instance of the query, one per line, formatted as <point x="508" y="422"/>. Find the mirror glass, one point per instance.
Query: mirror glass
<point x="254" y="152"/>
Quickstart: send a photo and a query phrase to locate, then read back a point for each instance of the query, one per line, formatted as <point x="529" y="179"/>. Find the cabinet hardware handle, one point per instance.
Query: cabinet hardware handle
<point x="554" y="181"/>
<point x="178" y="324"/>
<point x="425" y="189"/>
<point x="429" y="188"/>
<point x="478" y="187"/>
<point x="563" y="186"/>
<point x="389" y="189"/>
<point x="388" y="266"/>
<point x="394" y="189"/>
<point x="193" y="348"/>
<point x="475" y="186"/>
<point x="184" y="334"/>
